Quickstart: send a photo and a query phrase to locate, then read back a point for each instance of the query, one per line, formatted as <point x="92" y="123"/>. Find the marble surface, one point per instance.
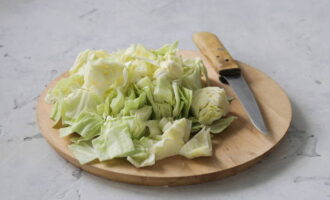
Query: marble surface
<point x="289" y="40"/>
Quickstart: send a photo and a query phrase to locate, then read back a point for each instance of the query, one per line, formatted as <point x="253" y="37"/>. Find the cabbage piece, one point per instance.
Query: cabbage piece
<point x="153" y="127"/>
<point x="165" y="121"/>
<point x="80" y="61"/>
<point x="137" y="50"/>
<point x="143" y="154"/>
<point x="221" y="124"/>
<point x="64" y="87"/>
<point x="178" y="103"/>
<point x="177" y="130"/>
<point x="209" y="104"/>
<point x="150" y="62"/>
<point x="165" y="109"/>
<point x="187" y="131"/>
<point x="140" y="62"/>
<point x="196" y="127"/>
<point x="101" y="74"/>
<point x="143" y="113"/>
<point x="167" y="148"/>
<point x="170" y="68"/>
<point x="87" y="125"/>
<point x="79" y="139"/>
<point x="101" y="144"/>
<point x="193" y="69"/>
<point x="115" y="141"/>
<point x="117" y="103"/>
<point x="78" y="101"/>
<point x="167" y="49"/>
<point x="163" y="91"/>
<point x="186" y="96"/>
<point x="216" y="127"/>
<point x="145" y="82"/>
<point x="83" y="152"/>
<point x="199" y="145"/>
<point x="172" y="139"/>
<point x="65" y="131"/>
<point x="136" y="126"/>
<point x="84" y="58"/>
<point x="57" y="112"/>
<point x="167" y="126"/>
<point x="151" y="100"/>
<point x="134" y="104"/>
<point x="104" y="109"/>
<point x="183" y="99"/>
<point x="139" y="68"/>
<point x="130" y="93"/>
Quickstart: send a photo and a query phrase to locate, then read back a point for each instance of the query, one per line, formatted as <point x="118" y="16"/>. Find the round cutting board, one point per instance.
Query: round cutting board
<point x="234" y="150"/>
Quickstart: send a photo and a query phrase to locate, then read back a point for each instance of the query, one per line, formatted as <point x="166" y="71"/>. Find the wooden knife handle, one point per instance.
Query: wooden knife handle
<point x="216" y="53"/>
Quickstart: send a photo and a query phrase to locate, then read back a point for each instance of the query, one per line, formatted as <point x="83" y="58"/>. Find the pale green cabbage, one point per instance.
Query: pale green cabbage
<point x="138" y="104"/>
<point x="210" y="104"/>
<point x="64" y="87"/>
<point x="199" y="145"/>
<point x="173" y="139"/>
<point x="83" y="151"/>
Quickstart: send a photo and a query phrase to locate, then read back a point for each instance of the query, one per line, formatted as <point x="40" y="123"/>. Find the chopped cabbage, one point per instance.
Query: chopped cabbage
<point x="172" y="139"/>
<point x="221" y="124"/>
<point x="64" y="87"/>
<point x="77" y="102"/>
<point x="139" y="104"/>
<point x="143" y="154"/>
<point x="84" y="152"/>
<point x="199" y="145"/>
<point x="210" y="104"/>
<point x="87" y="125"/>
<point x="114" y="141"/>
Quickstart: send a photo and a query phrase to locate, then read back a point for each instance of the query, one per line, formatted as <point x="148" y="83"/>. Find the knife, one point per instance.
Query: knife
<point x="230" y="73"/>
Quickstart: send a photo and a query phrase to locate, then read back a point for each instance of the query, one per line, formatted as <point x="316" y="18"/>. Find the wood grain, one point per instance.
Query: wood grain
<point x="236" y="149"/>
<point x="212" y="48"/>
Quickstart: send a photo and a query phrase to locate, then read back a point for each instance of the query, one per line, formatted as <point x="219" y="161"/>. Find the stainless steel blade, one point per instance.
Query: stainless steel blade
<point x="247" y="98"/>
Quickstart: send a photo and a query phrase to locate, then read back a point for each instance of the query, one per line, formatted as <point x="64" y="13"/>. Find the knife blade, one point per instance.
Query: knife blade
<point x="230" y="73"/>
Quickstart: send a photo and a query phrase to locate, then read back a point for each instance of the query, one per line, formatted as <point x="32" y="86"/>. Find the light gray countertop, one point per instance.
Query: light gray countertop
<point x="288" y="40"/>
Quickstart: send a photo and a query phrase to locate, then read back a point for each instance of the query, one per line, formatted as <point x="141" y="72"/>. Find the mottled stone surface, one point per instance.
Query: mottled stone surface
<point x="288" y="40"/>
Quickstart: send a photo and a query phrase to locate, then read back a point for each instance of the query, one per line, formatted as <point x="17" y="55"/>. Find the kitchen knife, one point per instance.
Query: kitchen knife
<point x="229" y="71"/>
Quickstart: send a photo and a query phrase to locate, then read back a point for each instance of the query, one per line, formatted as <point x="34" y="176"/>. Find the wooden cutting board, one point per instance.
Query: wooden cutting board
<point x="237" y="148"/>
